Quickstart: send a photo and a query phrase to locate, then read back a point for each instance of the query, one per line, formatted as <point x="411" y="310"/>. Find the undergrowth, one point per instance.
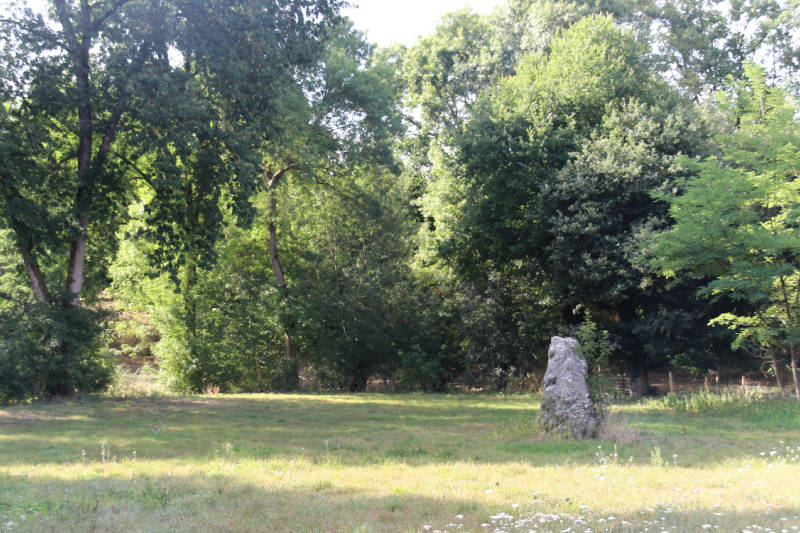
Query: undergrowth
<point x="748" y="405"/>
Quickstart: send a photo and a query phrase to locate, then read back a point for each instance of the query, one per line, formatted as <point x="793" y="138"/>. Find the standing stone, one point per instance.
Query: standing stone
<point x="566" y="404"/>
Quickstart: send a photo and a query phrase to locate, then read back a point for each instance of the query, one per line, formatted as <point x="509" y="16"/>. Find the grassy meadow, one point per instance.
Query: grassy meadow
<point x="395" y="463"/>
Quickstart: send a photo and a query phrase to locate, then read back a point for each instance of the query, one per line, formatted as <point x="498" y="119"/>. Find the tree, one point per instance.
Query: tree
<point x="328" y="158"/>
<point x="559" y="161"/>
<point x="529" y="125"/>
<point x="360" y="312"/>
<point x="62" y="113"/>
<point x="736" y="220"/>
<point x="598" y="210"/>
<point x="99" y="85"/>
<point x="341" y="116"/>
<point x="699" y="44"/>
<point x="490" y="321"/>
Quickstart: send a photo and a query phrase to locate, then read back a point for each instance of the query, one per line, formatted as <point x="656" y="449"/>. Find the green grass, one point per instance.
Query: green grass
<point x="393" y="463"/>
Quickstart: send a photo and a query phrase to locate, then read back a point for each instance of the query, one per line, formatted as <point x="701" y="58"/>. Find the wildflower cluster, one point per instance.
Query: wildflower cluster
<point x="681" y="513"/>
<point x="782" y="454"/>
<point x="666" y="518"/>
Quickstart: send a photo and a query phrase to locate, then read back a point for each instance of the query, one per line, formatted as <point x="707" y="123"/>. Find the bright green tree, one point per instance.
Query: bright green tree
<point x="736" y="220"/>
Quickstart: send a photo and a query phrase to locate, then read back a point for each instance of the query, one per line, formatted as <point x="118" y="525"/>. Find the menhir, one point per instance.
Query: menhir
<point x="567" y="406"/>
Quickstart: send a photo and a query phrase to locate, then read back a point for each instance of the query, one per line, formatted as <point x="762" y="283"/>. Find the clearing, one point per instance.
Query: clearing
<point x="394" y="463"/>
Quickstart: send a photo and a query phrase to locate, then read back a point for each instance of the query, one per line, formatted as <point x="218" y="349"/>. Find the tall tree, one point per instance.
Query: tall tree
<point x="598" y="210"/>
<point x="341" y="118"/>
<point x="335" y="119"/>
<point x="699" y="44"/>
<point x="558" y="164"/>
<point x="69" y="87"/>
<point x="98" y="81"/>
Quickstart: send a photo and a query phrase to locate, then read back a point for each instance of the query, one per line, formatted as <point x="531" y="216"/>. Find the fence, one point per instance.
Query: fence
<point x="666" y="382"/>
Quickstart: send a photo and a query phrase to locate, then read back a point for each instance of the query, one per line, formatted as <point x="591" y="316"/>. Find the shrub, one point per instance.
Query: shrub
<point x="51" y="350"/>
<point x="597" y="349"/>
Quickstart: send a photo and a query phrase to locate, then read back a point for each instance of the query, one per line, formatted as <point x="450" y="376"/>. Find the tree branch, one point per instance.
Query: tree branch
<point x="35" y="278"/>
<point x="144" y="177"/>
<point x="69" y="30"/>
<point x="275" y="178"/>
<point x="785" y="293"/>
<point x="95" y="26"/>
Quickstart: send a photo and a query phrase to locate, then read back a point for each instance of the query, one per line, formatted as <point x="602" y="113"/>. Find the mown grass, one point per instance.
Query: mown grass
<point x="392" y="463"/>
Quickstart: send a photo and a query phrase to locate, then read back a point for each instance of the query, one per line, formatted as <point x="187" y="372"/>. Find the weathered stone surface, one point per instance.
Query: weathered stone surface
<point x="566" y="404"/>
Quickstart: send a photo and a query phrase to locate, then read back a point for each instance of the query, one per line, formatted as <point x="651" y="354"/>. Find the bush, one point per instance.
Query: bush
<point x="766" y="411"/>
<point x="51" y="350"/>
<point x="597" y="349"/>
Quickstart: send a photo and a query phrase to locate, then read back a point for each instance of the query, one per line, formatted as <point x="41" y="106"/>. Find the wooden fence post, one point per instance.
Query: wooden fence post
<point x="671" y="382"/>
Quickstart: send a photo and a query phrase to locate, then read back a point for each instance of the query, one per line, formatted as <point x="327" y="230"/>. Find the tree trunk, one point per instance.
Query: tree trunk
<point x="639" y="385"/>
<point x="35" y="278"/>
<point x="189" y="282"/>
<point x="77" y="261"/>
<point x="291" y="352"/>
<point x="277" y="269"/>
<point x="777" y="367"/>
<point x="79" y="47"/>
<point x="795" y="376"/>
<point x="637" y="358"/>
<point x="188" y="290"/>
<point x="359" y="381"/>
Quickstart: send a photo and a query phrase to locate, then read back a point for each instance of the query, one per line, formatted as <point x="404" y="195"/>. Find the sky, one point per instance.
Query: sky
<point x="403" y="21"/>
<point x="390" y="21"/>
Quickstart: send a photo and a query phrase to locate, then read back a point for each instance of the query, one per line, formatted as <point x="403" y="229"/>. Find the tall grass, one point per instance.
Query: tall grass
<point x="752" y="405"/>
<point x="143" y="382"/>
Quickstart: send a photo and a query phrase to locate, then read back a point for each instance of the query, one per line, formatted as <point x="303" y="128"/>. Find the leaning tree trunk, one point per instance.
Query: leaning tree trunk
<point x="777" y="367"/>
<point x="35" y="278"/>
<point x="291" y="352"/>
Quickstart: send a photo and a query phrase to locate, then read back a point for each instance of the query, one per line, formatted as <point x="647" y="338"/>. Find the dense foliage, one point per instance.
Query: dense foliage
<point x="737" y="222"/>
<point x="265" y="201"/>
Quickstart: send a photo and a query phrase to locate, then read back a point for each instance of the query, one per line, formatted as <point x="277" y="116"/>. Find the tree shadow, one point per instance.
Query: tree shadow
<point x="221" y="501"/>
<point x="346" y="429"/>
<point x="214" y="503"/>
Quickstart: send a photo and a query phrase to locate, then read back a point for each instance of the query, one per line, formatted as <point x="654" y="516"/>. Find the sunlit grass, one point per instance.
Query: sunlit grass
<point x="387" y="463"/>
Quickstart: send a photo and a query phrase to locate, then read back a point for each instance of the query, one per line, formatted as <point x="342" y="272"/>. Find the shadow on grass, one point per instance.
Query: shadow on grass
<point x="213" y="503"/>
<point x="219" y="502"/>
<point x="348" y="429"/>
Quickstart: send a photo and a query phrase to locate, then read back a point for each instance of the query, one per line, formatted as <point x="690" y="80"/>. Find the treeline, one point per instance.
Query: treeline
<point x="263" y="200"/>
